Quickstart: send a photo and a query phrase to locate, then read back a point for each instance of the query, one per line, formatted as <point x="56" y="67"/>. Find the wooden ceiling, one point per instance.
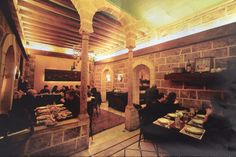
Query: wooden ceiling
<point x="57" y="23"/>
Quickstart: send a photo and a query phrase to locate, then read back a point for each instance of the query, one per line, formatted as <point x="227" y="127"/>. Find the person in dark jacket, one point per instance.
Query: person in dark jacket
<point x="72" y="103"/>
<point x="171" y="104"/>
<point x="45" y="90"/>
<point x="151" y="94"/>
<point x="55" y="89"/>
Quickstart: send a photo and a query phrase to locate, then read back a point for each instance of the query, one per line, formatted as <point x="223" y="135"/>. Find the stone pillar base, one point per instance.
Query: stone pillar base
<point x="64" y="139"/>
<point x="131" y="118"/>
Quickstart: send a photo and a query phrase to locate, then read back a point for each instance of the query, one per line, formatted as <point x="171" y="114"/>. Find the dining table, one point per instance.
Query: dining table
<point x="184" y="135"/>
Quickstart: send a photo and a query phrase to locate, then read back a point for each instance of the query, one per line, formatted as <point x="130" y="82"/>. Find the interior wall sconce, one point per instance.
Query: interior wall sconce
<point x="120" y="77"/>
<point x="108" y="77"/>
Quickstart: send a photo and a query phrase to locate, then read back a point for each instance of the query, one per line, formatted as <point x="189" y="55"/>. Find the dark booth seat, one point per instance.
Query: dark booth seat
<point x="117" y="100"/>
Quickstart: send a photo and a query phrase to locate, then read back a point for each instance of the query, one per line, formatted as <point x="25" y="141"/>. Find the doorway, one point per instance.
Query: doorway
<point x="141" y="81"/>
<point x="106" y="82"/>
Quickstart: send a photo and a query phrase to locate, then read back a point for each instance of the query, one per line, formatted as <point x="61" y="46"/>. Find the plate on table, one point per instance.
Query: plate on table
<point x="163" y="121"/>
<point x="172" y="115"/>
<point x="201" y="116"/>
<point x="194" y="130"/>
<point x="198" y="121"/>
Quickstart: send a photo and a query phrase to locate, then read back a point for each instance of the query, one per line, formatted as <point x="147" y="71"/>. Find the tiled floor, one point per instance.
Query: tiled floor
<point x="109" y="138"/>
<point x="119" y="142"/>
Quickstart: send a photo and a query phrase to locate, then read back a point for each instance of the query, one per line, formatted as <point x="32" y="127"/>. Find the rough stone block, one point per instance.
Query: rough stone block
<point x="232" y="51"/>
<point x="84" y="130"/>
<point x="202" y="46"/>
<point x="71" y="133"/>
<point x="170" y="53"/>
<point x="191" y="56"/>
<point x="163" y="90"/>
<point x="232" y="40"/>
<point x="57" y="137"/>
<point x="82" y="143"/>
<point x="174" y="59"/>
<point x="167" y="67"/>
<point x="39" y="142"/>
<point x="186" y="50"/>
<point x="207" y="95"/>
<point x="160" y="61"/>
<point x="160" y="75"/>
<point x="64" y="149"/>
<point x="222" y="42"/>
<point x="188" y="94"/>
<point x="191" y="103"/>
<point x="215" y="53"/>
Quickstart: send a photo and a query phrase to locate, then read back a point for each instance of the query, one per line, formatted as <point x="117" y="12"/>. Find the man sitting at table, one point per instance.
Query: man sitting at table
<point x="45" y="90"/>
<point x="171" y="104"/>
<point x="151" y="94"/>
<point x="72" y="102"/>
<point x="154" y="110"/>
<point x="218" y="127"/>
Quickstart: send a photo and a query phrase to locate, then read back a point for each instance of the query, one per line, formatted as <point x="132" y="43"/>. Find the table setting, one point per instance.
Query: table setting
<point x="184" y="122"/>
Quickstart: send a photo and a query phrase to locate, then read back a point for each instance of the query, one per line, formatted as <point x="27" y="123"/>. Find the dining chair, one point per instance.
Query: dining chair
<point x="139" y="108"/>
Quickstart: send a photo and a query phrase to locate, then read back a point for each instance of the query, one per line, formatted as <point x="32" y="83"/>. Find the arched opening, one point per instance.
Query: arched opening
<point x="142" y="69"/>
<point x="7" y="81"/>
<point x="141" y="81"/>
<point x="106" y="82"/>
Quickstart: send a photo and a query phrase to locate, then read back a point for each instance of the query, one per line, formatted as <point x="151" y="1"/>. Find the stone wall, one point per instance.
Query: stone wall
<point x="223" y="49"/>
<point x="66" y="138"/>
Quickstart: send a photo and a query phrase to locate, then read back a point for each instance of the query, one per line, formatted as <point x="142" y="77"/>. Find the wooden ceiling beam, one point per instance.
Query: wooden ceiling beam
<point x="44" y="27"/>
<point x="75" y="42"/>
<point x="63" y="3"/>
<point x="98" y="31"/>
<point x="42" y="14"/>
<point x="43" y="36"/>
<point x="54" y="23"/>
<point x="50" y="7"/>
<point x="41" y="32"/>
<point x="49" y="43"/>
<point x="48" y="24"/>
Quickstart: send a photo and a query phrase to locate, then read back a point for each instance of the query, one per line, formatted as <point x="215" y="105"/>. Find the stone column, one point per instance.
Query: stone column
<point x="130" y="77"/>
<point x="131" y="114"/>
<point x="84" y="73"/>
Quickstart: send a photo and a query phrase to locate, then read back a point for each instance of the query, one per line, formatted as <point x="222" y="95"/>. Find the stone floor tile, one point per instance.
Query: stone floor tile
<point x="147" y="146"/>
<point x="149" y="154"/>
<point x="119" y="154"/>
<point x="132" y="153"/>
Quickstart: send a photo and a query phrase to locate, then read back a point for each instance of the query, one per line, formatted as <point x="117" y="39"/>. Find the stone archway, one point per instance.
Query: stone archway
<point x="106" y="84"/>
<point x="7" y="77"/>
<point x="140" y="72"/>
<point x="136" y="67"/>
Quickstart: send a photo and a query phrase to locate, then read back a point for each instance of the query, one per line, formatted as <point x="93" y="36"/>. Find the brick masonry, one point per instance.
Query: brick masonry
<point x="222" y="49"/>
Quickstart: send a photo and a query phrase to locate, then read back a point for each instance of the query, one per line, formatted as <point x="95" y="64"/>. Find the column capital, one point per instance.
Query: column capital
<point x="85" y="35"/>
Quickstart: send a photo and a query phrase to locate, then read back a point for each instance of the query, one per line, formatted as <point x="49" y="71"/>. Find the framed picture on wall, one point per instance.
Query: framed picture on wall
<point x="203" y="64"/>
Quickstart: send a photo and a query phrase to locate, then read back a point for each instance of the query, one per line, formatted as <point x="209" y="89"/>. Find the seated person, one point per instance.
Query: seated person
<point x="55" y="89"/>
<point x="171" y="104"/>
<point x="45" y="90"/>
<point x="154" y="110"/>
<point x="29" y="103"/>
<point x="151" y="94"/>
<point x="77" y="89"/>
<point x="72" y="102"/>
<point x="71" y="88"/>
<point x="216" y="124"/>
